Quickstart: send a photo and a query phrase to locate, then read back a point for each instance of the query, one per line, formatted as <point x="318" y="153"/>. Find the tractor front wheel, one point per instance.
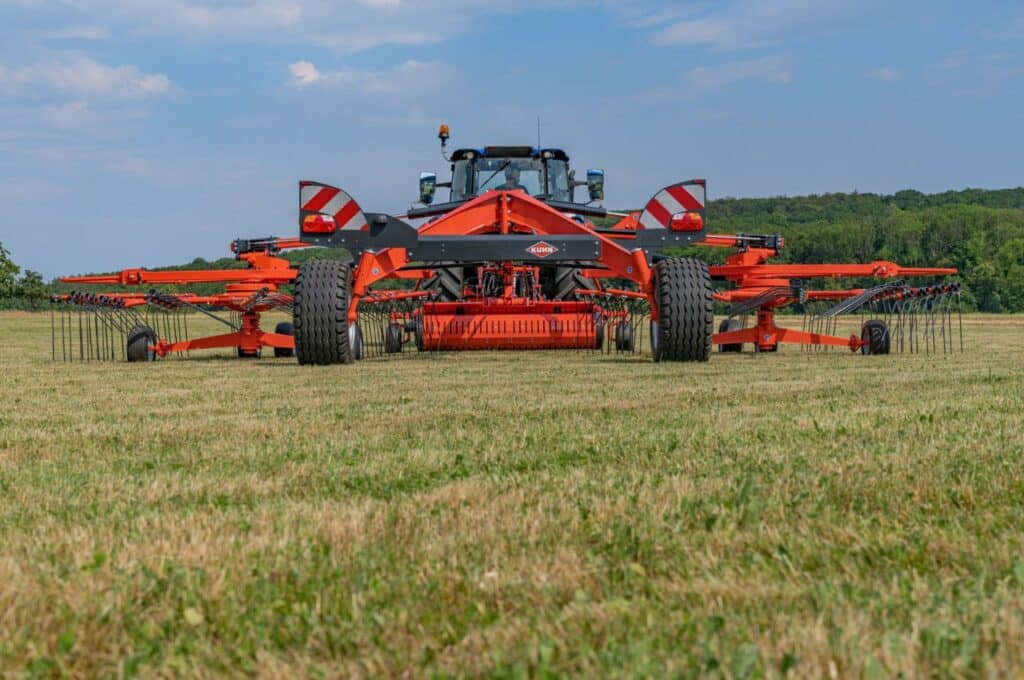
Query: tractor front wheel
<point x="323" y="292"/>
<point x="683" y="292"/>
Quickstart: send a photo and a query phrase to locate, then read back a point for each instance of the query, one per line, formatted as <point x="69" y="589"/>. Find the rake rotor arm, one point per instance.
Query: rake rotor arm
<point x="876" y="269"/>
<point x="137" y="277"/>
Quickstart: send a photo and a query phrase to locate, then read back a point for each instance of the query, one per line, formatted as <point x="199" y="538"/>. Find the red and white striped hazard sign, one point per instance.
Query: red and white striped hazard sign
<point x="671" y="201"/>
<point x="327" y="200"/>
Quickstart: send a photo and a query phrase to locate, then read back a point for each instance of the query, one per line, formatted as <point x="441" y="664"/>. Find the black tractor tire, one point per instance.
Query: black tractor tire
<point x="683" y="292"/>
<point x="323" y="291"/>
<point x="393" y="339"/>
<point x="727" y="326"/>
<point x="139" y="339"/>
<point x="875" y="333"/>
<point x="624" y="341"/>
<point x="284" y="328"/>
<point x="561" y="283"/>
<point x="448" y="282"/>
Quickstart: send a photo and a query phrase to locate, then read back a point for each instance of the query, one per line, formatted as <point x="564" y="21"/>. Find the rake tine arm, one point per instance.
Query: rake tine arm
<point x="135" y="277"/>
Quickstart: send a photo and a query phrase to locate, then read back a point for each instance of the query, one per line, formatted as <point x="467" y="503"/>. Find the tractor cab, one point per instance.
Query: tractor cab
<point x="543" y="173"/>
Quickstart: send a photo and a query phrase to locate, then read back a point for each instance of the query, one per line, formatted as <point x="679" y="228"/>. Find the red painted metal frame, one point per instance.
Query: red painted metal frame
<point x="504" y="212"/>
<point x="250" y="292"/>
<point x="752" y="274"/>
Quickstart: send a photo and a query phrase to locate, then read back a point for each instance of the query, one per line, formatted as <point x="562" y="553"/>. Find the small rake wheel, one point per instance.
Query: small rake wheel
<point x="875" y="333"/>
<point x="683" y="293"/>
<point x="624" y="337"/>
<point x="393" y="339"/>
<point x="139" y="339"/>
<point x="323" y="291"/>
<point x="355" y="341"/>
<point x="284" y="328"/>
<point x="728" y="326"/>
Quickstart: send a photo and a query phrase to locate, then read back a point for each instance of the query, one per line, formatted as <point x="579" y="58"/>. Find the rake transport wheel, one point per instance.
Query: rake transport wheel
<point x="727" y="326"/>
<point x="682" y="289"/>
<point x="323" y="290"/>
<point x="284" y="328"/>
<point x="876" y="334"/>
<point x="598" y="330"/>
<point x="248" y="353"/>
<point x="139" y="339"/>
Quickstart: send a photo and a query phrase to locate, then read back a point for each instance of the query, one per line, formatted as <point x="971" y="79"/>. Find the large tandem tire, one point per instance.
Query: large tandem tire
<point x="323" y="291"/>
<point x="683" y="291"/>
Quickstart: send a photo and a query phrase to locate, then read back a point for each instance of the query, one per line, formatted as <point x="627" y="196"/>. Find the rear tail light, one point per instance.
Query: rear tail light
<point x="688" y="221"/>
<point x="318" y="224"/>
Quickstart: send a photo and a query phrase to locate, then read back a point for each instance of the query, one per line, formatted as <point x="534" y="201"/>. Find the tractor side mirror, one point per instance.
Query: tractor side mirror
<point x="595" y="184"/>
<point x="428" y="185"/>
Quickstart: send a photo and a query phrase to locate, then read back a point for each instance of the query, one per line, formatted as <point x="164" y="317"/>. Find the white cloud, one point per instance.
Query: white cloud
<point x="774" y="69"/>
<point x="978" y="73"/>
<point x="69" y="114"/>
<point x="80" y="32"/>
<point x="698" y="32"/>
<point x="303" y="73"/>
<point x="886" y="73"/>
<point x="741" y="24"/>
<point x="410" y="76"/>
<point x="84" y="77"/>
<point x="342" y="25"/>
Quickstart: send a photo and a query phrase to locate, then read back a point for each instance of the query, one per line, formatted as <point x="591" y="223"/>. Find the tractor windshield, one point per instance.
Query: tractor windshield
<point x="509" y="174"/>
<point x="547" y="179"/>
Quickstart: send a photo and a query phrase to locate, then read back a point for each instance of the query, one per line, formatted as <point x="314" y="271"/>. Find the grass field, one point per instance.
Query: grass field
<point x="509" y="514"/>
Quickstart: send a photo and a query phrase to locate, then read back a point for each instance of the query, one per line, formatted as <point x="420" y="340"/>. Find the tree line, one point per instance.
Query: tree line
<point x="979" y="232"/>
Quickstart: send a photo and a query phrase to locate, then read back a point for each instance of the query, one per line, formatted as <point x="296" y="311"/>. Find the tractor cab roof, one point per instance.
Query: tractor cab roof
<point x="509" y="152"/>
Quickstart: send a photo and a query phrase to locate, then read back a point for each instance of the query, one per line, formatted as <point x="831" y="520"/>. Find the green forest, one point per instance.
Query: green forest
<point x="980" y="232"/>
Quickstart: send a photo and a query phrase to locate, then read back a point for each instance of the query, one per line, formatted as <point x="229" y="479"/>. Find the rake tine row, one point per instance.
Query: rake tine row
<point x="91" y="327"/>
<point x="921" y="320"/>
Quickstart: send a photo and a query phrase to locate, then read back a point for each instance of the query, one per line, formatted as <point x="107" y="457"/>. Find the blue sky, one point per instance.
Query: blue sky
<point x="152" y="132"/>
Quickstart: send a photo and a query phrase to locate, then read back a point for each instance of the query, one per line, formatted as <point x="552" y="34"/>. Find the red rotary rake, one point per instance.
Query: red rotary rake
<point x="512" y="261"/>
<point x="762" y="289"/>
<point x="155" y="324"/>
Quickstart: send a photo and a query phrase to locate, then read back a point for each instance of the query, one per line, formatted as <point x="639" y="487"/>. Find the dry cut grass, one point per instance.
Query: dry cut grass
<point x="514" y="514"/>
